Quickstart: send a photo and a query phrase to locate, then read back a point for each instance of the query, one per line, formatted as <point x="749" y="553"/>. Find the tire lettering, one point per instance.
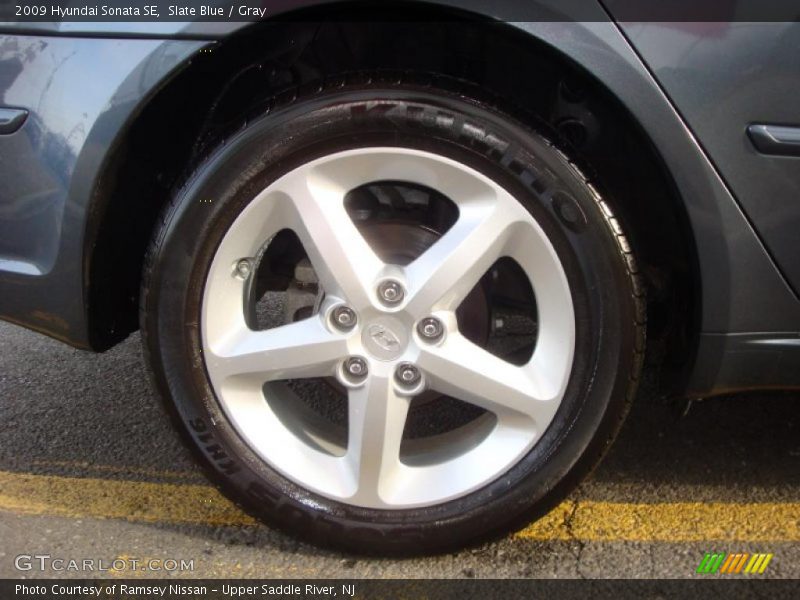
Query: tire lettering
<point x="212" y="449"/>
<point x="377" y="110"/>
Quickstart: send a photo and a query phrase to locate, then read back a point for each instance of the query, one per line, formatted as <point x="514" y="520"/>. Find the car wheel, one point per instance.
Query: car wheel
<point x="392" y="318"/>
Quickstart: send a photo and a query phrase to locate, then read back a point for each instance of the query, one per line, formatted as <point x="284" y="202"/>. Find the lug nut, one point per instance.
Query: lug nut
<point x="356" y="367"/>
<point x="344" y="317"/>
<point x="407" y="374"/>
<point x="243" y="268"/>
<point x="390" y="291"/>
<point x="430" y="328"/>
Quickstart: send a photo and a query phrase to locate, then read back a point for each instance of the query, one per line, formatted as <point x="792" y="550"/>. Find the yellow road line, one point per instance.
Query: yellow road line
<point x="105" y="498"/>
<point x="27" y="494"/>
<point x="669" y="522"/>
<point x="130" y="471"/>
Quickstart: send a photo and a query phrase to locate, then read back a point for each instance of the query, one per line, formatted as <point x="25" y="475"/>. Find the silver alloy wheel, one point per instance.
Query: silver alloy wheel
<point x="369" y="472"/>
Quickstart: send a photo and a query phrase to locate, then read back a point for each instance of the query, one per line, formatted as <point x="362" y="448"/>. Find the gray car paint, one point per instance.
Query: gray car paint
<point x="743" y="292"/>
<point x="80" y="94"/>
<point x="722" y="78"/>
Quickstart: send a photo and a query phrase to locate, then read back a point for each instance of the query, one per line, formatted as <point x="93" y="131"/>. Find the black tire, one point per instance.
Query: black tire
<point x="598" y="261"/>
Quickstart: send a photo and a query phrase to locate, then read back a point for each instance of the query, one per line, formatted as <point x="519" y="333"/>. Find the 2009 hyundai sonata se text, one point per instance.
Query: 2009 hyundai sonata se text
<point x="399" y="274"/>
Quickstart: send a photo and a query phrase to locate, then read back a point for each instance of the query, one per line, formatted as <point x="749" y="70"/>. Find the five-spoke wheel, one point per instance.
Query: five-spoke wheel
<point x="387" y="332"/>
<point x="392" y="318"/>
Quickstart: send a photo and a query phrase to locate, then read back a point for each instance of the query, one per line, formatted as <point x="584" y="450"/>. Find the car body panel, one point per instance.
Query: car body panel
<point x="745" y="298"/>
<point x="50" y="167"/>
<point x="724" y="77"/>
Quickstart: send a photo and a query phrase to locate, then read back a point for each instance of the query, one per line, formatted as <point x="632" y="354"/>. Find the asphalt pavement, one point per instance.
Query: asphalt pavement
<point x="90" y="468"/>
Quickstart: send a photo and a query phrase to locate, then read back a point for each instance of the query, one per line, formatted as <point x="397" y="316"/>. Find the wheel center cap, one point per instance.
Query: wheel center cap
<point x="385" y="338"/>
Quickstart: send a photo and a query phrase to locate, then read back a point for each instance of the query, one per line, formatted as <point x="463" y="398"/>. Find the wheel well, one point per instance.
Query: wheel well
<point x="199" y="106"/>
